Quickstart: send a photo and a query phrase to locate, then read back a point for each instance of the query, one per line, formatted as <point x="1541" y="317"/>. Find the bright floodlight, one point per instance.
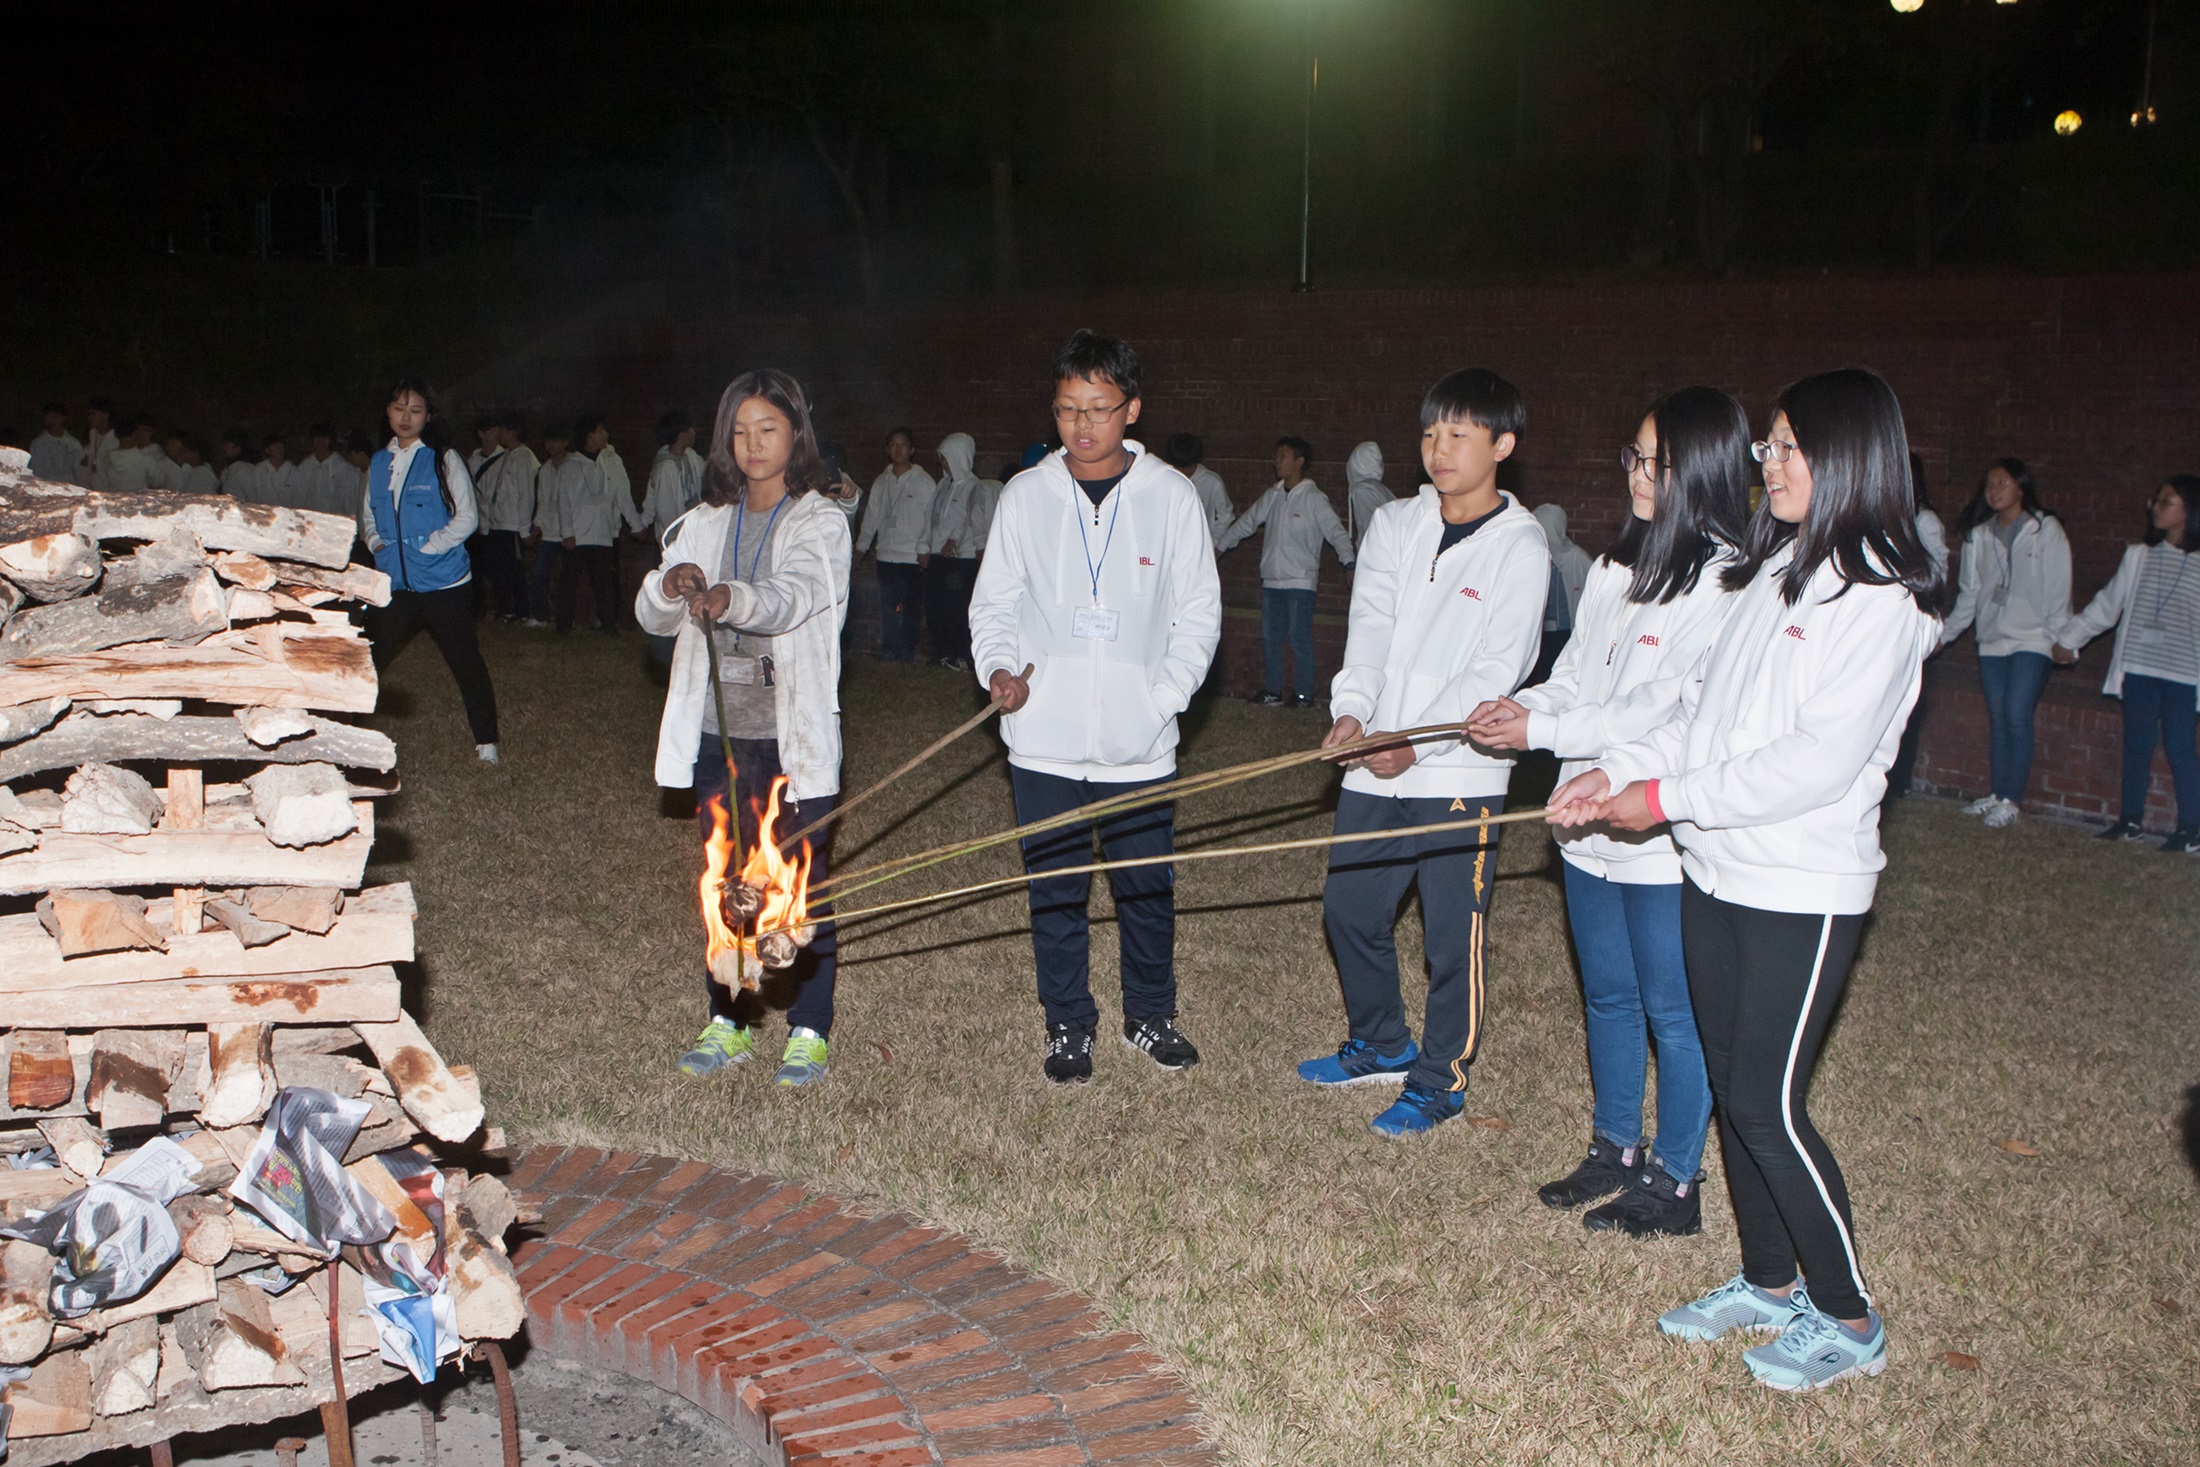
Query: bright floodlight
<point x="2067" y="122"/>
<point x="1906" y="6"/>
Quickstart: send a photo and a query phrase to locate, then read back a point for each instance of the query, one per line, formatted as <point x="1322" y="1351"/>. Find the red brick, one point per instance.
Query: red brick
<point x="827" y="1232"/>
<point x="805" y="1217"/>
<point x="776" y="1203"/>
<point x="1064" y="1456"/>
<point x="605" y="1341"/>
<point x="678" y="1181"/>
<point x="725" y="1195"/>
<point x="912" y="1251"/>
<point x="641" y="1177"/>
<point x="1080" y="1403"/>
<point x="868" y="1233"/>
<point x="926" y="1352"/>
<point x="573" y="1166"/>
<point x="577" y="1228"/>
<point x="723" y="1329"/>
<point x="864" y="1386"/>
<point x="1093" y="1361"/>
<point x="569" y="1322"/>
<point x="546" y="1260"/>
<point x="1056" y="1322"/>
<point x="776" y="1384"/>
<point x="932" y="1381"/>
<point x="847" y="1281"/>
<point x="606" y="1173"/>
<point x="665" y="1318"/>
<point x="821" y="1446"/>
<point x="877" y="1314"/>
<point x="987" y="1413"/>
<point x="542" y="1303"/>
<point x="771" y="1351"/>
<point x="891" y="1457"/>
<point x="1197" y="1457"/>
<point x="651" y="1242"/>
<point x="1172" y="1408"/>
<point x="1044" y="1431"/>
<point x="789" y="1421"/>
<point x="560" y="1208"/>
<point x="951" y="1270"/>
<point x="615" y="1234"/>
<point x="536" y="1163"/>
<point x="696" y="1244"/>
<point x="740" y="1264"/>
<point x="1139" y="1443"/>
<point x="797" y="1271"/>
<point x="1001" y="1310"/>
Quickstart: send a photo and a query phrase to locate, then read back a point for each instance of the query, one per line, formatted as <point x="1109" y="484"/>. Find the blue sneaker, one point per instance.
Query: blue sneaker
<point x="721" y="1043"/>
<point x="1417" y="1111"/>
<point x="1357" y="1063"/>
<point x="1734" y="1305"/>
<point x="803" y="1063"/>
<point x="1814" y="1351"/>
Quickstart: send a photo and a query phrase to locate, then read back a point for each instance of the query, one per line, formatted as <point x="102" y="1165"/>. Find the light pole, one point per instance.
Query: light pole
<point x="1306" y="151"/>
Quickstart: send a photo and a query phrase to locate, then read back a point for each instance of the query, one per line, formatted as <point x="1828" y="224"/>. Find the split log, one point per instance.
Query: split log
<point x="86" y="922"/>
<point x="205" y="1225"/>
<point x="178" y="609"/>
<point x="14" y="838"/>
<point x="106" y="799"/>
<point x="340" y="1075"/>
<point x="293" y="1039"/>
<point x="306" y="908"/>
<point x="217" y="1169"/>
<point x="26" y="1319"/>
<point x="22" y="721"/>
<point x="178" y="553"/>
<point x="232" y="913"/>
<point x="302" y="804"/>
<point x="487" y="1206"/>
<point x="35" y="1190"/>
<point x="279" y="664"/>
<point x="250" y="1236"/>
<point x="484" y="1285"/>
<point x="131" y="1072"/>
<point x="448" y="1106"/>
<point x="78" y="1145"/>
<point x="185" y="1285"/>
<point x="11" y="601"/>
<point x="55" y="1401"/>
<point x="247" y="606"/>
<point x="241" y="568"/>
<point x="51" y="568"/>
<point x="221" y="523"/>
<point x="343" y="996"/>
<point x="214" y="858"/>
<point x="160" y="708"/>
<point x="187" y="740"/>
<point x="40" y="1073"/>
<point x="233" y="1342"/>
<point x="37" y="810"/>
<point x="355" y="1331"/>
<point x="186" y="810"/>
<point x="267" y="727"/>
<point x="241" y="1057"/>
<point x="125" y="1366"/>
<point x="385" y="1129"/>
<point x="354" y="582"/>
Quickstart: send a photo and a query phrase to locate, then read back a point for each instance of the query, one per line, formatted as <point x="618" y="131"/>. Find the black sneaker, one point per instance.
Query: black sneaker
<point x="1605" y="1170"/>
<point x="2121" y="830"/>
<point x="2183" y="842"/>
<point x="1300" y="700"/>
<point x="1270" y="700"/>
<point x="1069" y="1054"/>
<point x="1158" y="1040"/>
<point x="1653" y="1205"/>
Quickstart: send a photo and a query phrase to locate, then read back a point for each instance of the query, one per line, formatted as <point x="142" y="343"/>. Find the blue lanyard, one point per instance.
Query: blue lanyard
<point x="1091" y="568"/>
<point x="740" y="513"/>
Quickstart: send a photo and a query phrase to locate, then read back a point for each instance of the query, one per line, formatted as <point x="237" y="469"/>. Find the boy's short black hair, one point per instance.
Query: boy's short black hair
<point x="1481" y="397"/>
<point x="589" y="423"/>
<point x="236" y="436"/>
<point x="556" y="430"/>
<point x="487" y="423"/>
<point x="101" y="405"/>
<point x="671" y="426"/>
<point x="906" y="435"/>
<point x="273" y="438"/>
<point x="356" y="441"/>
<point x="321" y="430"/>
<point x="1092" y="357"/>
<point x="1183" y="451"/>
<point x="55" y="406"/>
<point x="124" y="424"/>
<point x="1299" y="446"/>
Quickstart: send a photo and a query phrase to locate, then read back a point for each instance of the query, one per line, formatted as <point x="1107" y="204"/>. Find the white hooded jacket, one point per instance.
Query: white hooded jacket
<point x="1100" y="709"/>
<point x="953" y="501"/>
<point x="1366" y="491"/>
<point x="1568" y="559"/>
<point x="506" y="491"/>
<point x="675" y="487"/>
<point x="899" y="516"/>
<point x="1214" y="497"/>
<point x="1298" y="519"/>
<point x="801" y="605"/>
<point x="1434" y="635"/>
<point x="2018" y="595"/>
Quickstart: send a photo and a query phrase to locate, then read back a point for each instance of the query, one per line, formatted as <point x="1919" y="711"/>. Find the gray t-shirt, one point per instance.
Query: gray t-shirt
<point x="745" y="663"/>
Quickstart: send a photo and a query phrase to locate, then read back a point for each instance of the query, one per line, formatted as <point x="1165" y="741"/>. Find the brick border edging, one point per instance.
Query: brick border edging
<point x="826" y="1338"/>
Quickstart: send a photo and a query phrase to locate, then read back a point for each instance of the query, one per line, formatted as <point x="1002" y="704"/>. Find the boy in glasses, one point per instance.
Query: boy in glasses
<point x="1098" y="575"/>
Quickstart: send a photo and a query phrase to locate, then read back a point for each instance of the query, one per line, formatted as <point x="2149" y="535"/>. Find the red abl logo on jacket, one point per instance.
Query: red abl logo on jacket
<point x="1470" y="593"/>
<point x="1145" y="560"/>
<point x="1647" y="639"/>
<point x="1794" y="631"/>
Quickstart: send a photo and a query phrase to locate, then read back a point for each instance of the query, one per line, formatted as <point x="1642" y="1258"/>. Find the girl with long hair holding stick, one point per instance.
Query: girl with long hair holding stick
<point x="1771" y="772"/>
<point x="1650" y="606"/>
<point x="760" y="568"/>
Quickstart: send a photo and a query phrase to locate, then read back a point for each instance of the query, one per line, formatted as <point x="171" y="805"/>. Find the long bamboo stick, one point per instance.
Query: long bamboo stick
<point x="1212" y="853"/>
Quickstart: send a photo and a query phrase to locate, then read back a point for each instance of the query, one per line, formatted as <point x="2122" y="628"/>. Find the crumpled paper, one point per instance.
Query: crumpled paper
<point x="114" y="1237"/>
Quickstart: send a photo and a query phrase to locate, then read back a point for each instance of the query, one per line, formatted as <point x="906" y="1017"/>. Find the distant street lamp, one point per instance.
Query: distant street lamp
<point x="2067" y="122"/>
<point x="1306" y="152"/>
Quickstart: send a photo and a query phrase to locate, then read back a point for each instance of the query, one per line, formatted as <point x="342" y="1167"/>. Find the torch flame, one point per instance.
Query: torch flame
<point x="784" y="882"/>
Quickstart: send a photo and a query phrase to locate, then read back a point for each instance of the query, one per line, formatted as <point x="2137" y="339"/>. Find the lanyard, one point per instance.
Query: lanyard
<point x="741" y="513"/>
<point x="1093" y="568"/>
<point x="2163" y="600"/>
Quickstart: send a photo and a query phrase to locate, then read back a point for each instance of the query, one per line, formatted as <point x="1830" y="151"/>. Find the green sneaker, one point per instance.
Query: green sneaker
<point x="721" y="1043"/>
<point x="804" y="1061"/>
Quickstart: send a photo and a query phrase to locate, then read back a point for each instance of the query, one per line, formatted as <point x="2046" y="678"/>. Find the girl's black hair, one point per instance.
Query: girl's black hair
<point x="435" y="434"/>
<point x="1702" y="488"/>
<point x="1978" y="511"/>
<point x="2188" y="489"/>
<point x="723" y="481"/>
<point x="1848" y="427"/>
<point x="671" y="426"/>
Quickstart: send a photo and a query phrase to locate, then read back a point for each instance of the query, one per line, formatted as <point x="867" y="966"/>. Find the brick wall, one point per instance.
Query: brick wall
<point x="2095" y="381"/>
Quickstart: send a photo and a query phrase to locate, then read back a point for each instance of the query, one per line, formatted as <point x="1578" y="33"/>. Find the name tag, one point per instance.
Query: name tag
<point x="1095" y="623"/>
<point x="739" y="671"/>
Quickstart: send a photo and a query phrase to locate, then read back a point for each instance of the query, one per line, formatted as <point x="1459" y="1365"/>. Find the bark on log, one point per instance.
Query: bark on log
<point x="205" y="1226"/>
<point x="55" y="1401"/>
<point x="241" y="1058"/>
<point x="89" y="922"/>
<point x="448" y="1106"/>
<point x="345" y="996"/>
<point x="356" y="1334"/>
<point x="241" y="568"/>
<point x="51" y="568"/>
<point x="233" y="1341"/>
<point x="222" y="523"/>
<point x="217" y="1169"/>
<point x="293" y="1039"/>
<point x="40" y="1073"/>
<point x="125" y="1367"/>
<point x="21" y="721"/>
<point x="77" y="1143"/>
<point x="177" y="609"/>
<point x="487" y="1206"/>
<point x="340" y="1075"/>
<point x="131" y="1072"/>
<point x="277" y="664"/>
<point x="484" y="1286"/>
<point x="186" y="858"/>
<point x="11" y="601"/>
<point x="354" y="582"/>
<point x="34" y="1191"/>
<point x="80" y="739"/>
<point x="26" y="1321"/>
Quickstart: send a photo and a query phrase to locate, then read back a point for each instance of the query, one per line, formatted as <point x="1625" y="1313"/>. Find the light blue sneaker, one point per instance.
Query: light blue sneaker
<point x="1418" y="1111"/>
<point x="1734" y="1305"/>
<point x="1357" y="1063"/>
<point x="1814" y="1351"/>
<point x="721" y="1043"/>
<point x="803" y="1063"/>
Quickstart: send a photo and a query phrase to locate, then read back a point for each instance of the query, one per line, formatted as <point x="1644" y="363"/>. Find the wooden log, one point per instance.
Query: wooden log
<point x="106" y="799"/>
<point x="185" y="1285"/>
<point x="204" y="1224"/>
<point x="354" y="582"/>
<point x="222" y="523"/>
<point x="131" y="1072"/>
<point x="231" y="911"/>
<point x="249" y="1236"/>
<point x="302" y="804"/>
<point x="217" y="1169"/>
<point x="484" y="1285"/>
<point x="55" y="1401"/>
<point x="87" y="922"/>
<point x="487" y="1206"/>
<point x="24" y="1192"/>
<point x="217" y="858"/>
<point x="26" y="1319"/>
<point x="185" y="810"/>
<point x="125" y="1366"/>
<point x="355" y="1331"/>
<point x="247" y="606"/>
<point x="276" y="664"/>
<point x="187" y="740"/>
<point x="242" y="1060"/>
<point x="177" y="609"/>
<point x="51" y="568"/>
<point x="293" y="1039"/>
<point x="342" y="996"/>
<point x="304" y="908"/>
<point x="11" y="601"/>
<point x="40" y="1072"/>
<point x="339" y="1074"/>
<point x="447" y="1106"/>
<point x="241" y="568"/>
<point x="385" y="1129"/>
<point x="233" y="1342"/>
<point x="78" y="1145"/>
<point x="21" y="721"/>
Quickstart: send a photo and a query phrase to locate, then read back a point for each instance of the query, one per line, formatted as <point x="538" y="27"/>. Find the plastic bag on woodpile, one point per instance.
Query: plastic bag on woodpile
<point x="407" y="1274"/>
<point x="294" y="1175"/>
<point x="114" y="1238"/>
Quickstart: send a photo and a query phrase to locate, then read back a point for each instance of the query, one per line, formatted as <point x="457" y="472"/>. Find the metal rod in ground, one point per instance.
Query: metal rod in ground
<point x="336" y="1414"/>
<point x="162" y="1454"/>
<point x="733" y="789"/>
<point x="507" y="1403"/>
<point x="788" y="842"/>
<point x="1211" y="853"/>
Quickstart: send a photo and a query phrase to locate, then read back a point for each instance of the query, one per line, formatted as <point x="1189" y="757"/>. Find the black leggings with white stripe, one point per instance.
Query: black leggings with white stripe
<point x="1765" y="985"/>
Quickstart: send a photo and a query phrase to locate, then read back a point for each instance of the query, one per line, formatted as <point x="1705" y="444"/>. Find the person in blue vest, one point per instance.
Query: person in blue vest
<point x="417" y="514"/>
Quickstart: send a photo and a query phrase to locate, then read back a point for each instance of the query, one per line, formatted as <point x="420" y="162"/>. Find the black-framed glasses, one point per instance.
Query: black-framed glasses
<point x="1093" y="416"/>
<point x="1634" y="460"/>
<point x="1772" y="451"/>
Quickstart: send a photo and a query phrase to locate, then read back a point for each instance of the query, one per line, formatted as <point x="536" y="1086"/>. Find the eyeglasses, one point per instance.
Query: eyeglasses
<point x="1634" y="460"/>
<point x="1092" y="416"/>
<point x="1772" y="451"/>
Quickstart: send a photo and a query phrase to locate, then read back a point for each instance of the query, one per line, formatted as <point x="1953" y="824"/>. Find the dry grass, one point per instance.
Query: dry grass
<point x="1332" y="1297"/>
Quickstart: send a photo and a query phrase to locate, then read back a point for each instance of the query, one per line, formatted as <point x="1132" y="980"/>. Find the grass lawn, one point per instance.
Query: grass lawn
<point x="1330" y="1296"/>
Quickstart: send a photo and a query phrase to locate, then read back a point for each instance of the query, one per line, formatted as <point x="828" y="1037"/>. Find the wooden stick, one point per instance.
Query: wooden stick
<point x="787" y="842"/>
<point x="1510" y="817"/>
<point x="186" y="811"/>
<point x="733" y="787"/>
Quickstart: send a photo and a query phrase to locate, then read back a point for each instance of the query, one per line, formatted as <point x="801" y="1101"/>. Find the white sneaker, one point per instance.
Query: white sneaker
<point x="487" y="753"/>
<point x="1983" y="805"/>
<point x="2002" y="816"/>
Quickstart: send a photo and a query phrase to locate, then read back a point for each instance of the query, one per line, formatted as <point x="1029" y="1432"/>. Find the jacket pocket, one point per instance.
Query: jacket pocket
<point x="1126" y="724"/>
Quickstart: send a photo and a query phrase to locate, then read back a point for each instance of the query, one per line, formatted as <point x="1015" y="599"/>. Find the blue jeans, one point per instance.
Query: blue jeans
<point x="2150" y="702"/>
<point x="1061" y="922"/>
<point x="1634" y="987"/>
<point x="1287" y="616"/>
<point x="2013" y="685"/>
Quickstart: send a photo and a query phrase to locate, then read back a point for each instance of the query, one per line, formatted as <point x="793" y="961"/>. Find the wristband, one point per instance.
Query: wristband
<point x="1650" y="797"/>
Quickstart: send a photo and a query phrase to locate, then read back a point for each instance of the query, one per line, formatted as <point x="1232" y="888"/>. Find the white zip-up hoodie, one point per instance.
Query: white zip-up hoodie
<point x="899" y="516"/>
<point x="1619" y="677"/>
<point x="952" y="498"/>
<point x="1568" y="559"/>
<point x="985" y="502"/>
<point x="1774" y="764"/>
<point x="506" y="491"/>
<point x="1214" y="498"/>
<point x="239" y="480"/>
<point x="2016" y="596"/>
<point x="801" y="605"/>
<point x="675" y="486"/>
<point x="1297" y="519"/>
<point x="1433" y="636"/>
<point x="2110" y="607"/>
<point x="1365" y="490"/>
<point x="1103" y="710"/>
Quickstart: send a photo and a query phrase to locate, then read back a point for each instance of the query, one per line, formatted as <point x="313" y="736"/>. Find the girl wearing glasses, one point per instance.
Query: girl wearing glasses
<point x="1651" y="605"/>
<point x="1771" y="772"/>
<point x="2153" y="601"/>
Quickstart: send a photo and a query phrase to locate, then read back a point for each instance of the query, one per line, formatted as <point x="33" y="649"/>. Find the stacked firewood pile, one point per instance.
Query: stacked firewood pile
<point x="217" y="1110"/>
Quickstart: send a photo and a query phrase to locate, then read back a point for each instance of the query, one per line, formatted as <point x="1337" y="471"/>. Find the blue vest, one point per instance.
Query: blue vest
<point x="403" y="522"/>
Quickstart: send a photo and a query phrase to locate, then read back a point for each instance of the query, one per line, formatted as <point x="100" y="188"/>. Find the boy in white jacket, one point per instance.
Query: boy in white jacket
<point x="1365" y="491"/>
<point x="100" y="442"/>
<point x="1185" y="453"/>
<point x="896" y="521"/>
<point x="506" y="490"/>
<point x="1098" y="575"/>
<point x="950" y="557"/>
<point x="55" y="452"/>
<point x="1446" y="611"/>
<point x="1298" y="518"/>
